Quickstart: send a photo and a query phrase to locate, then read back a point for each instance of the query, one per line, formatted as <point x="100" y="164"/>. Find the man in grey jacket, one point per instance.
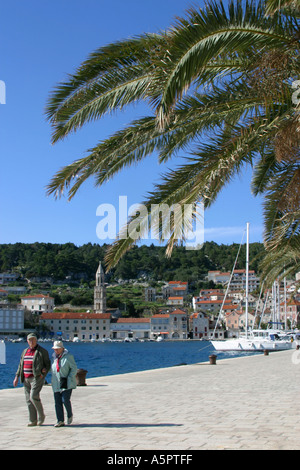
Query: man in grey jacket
<point x="33" y="367"/>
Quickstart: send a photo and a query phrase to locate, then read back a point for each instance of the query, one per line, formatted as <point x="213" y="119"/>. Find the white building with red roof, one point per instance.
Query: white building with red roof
<point x="84" y="326"/>
<point x="38" y="303"/>
<point x="130" y="328"/>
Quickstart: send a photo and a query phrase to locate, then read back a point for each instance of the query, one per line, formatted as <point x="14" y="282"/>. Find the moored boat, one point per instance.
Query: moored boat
<point x="253" y="340"/>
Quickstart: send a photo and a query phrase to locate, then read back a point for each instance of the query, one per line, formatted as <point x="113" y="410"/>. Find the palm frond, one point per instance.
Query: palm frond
<point x="209" y="33"/>
<point x="219" y="86"/>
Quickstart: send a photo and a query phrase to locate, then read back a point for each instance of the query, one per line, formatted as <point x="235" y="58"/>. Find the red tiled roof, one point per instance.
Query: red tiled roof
<point x="291" y="302"/>
<point x="75" y="316"/>
<point x="178" y="312"/>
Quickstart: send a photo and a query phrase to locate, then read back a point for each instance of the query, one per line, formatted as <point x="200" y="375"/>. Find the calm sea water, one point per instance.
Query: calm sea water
<point x="100" y="359"/>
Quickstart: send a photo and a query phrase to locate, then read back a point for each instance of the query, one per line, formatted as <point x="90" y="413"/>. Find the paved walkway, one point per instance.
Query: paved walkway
<point x="240" y="403"/>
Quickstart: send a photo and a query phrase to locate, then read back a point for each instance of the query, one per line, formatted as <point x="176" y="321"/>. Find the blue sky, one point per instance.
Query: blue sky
<point x="40" y="43"/>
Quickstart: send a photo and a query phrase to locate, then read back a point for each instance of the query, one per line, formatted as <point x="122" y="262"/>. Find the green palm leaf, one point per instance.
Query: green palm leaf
<point x="219" y="87"/>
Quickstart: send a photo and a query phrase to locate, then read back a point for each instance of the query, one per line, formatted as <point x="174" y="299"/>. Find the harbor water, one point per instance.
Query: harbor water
<point x="111" y="358"/>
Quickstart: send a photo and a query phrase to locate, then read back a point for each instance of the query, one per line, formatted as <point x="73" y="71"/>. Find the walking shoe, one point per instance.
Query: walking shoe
<point x="59" y="424"/>
<point x="40" y="422"/>
<point x="70" y="420"/>
<point x="32" y="423"/>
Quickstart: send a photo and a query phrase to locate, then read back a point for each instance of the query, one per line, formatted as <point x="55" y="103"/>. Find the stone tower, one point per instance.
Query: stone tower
<point x="100" y="291"/>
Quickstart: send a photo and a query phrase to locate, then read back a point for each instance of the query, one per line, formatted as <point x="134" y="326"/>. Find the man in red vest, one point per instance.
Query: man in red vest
<point x="33" y="367"/>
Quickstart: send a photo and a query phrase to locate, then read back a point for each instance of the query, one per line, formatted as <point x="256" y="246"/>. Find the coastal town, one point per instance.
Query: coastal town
<point x="215" y="313"/>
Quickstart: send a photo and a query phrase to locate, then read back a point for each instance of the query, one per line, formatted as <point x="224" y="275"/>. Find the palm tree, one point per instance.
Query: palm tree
<point x="220" y="76"/>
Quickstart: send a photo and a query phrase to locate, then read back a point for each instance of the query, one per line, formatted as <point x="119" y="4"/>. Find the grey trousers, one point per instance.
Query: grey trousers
<point x="33" y="387"/>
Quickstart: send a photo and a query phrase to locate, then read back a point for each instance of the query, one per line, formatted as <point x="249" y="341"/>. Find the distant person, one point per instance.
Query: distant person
<point x="33" y="367"/>
<point x="64" y="370"/>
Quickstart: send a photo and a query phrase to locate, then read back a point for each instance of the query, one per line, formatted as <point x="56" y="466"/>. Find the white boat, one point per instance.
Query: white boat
<point x="253" y="340"/>
<point x="256" y="340"/>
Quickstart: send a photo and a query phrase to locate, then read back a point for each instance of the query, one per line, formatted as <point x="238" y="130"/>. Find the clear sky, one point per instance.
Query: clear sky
<point x="40" y="43"/>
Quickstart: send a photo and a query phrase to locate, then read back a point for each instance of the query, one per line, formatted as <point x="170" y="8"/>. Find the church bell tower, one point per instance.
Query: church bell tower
<point x="100" y="291"/>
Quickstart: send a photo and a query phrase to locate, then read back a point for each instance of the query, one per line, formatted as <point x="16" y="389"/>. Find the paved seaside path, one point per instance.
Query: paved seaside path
<point x="239" y="403"/>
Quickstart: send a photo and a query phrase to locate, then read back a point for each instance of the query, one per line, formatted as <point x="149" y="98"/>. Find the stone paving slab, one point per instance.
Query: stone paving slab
<point x="248" y="403"/>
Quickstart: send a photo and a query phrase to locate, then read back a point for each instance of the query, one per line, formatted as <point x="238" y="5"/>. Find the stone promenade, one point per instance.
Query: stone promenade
<point x="241" y="403"/>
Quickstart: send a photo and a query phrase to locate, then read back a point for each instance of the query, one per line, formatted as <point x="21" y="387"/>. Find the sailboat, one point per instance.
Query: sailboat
<point x="253" y="340"/>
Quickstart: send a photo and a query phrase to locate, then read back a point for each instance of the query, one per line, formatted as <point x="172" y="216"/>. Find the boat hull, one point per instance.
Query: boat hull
<point x="251" y="345"/>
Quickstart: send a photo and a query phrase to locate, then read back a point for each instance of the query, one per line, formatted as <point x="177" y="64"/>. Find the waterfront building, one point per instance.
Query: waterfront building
<point x="202" y="326"/>
<point x="38" y="303"/>
<point x="84" y="326"/>
<point x="130" y="328"/>
<point x="199" y="325"/>
<point x="160" y="325"/>
<point x="242" y="320"/>
<point x="232" y="323"/>
<point x="11" y="319"/>
<point x="171" y="325"/>
<point x="100" y="291"/>
<point x="179" y="324"/>
<point x="292" y="311"/>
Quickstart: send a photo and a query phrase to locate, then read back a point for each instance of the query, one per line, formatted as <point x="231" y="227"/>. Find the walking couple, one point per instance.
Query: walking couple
<point x="34" y="366"/>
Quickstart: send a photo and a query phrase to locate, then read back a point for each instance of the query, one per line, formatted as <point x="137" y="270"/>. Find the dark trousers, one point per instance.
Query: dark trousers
<point x="63" y="399"/>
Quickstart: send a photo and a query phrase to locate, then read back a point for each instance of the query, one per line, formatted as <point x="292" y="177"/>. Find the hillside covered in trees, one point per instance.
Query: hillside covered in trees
<point x="59" y="261"/>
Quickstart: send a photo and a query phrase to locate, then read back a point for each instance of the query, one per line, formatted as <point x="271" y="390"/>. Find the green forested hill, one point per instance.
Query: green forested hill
<point x="60" y="260"/>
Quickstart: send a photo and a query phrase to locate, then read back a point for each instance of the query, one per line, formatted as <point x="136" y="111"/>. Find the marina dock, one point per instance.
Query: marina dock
<point x="246" y="403"/>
